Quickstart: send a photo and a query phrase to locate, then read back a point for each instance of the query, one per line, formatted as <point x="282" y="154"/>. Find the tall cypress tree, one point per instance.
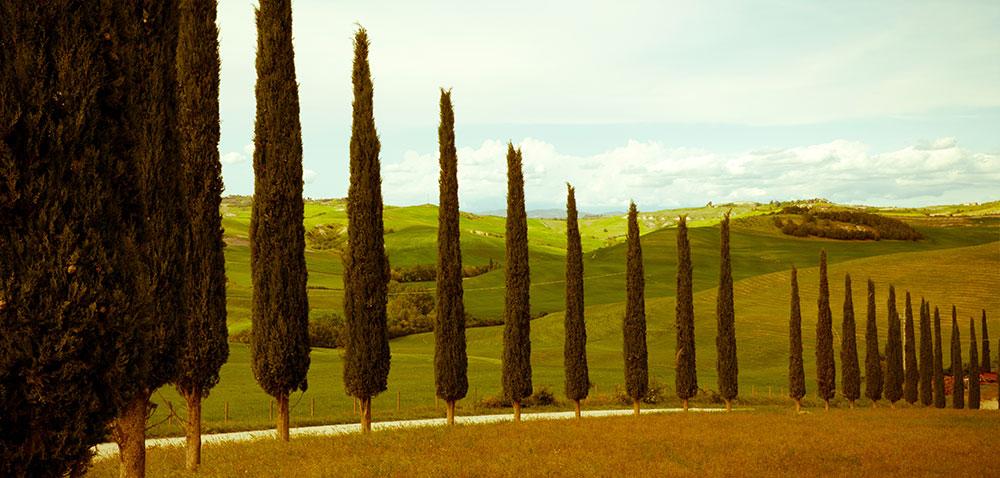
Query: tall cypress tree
<point x="796" y="372"/>
<point x="450" y="360"/>
<point x="634" y="325"/>
<point x="517" y="309"/>
<point x="926" y="356"/>
<point x="206" y="347"/>
<point x="849" y="348"/>
<point x="280" y="341"/>
<point x="686" y="375"/>
<point x="910" y="367"/>
<point x="575" y="347"/>
<point x="826" y="373"/>
<point x="893" y="354"/>
<point x="987" y="363"/>
<point x="70" y="222"/>
<point x="973" y="367"/>
<point x="725" y="341"/>
<point x="873" y="358"/>
<point x="957" y="370"/>
<point x="939" y="398"/>
<point x="366" y="267"/>
<point x="161" y="328"/>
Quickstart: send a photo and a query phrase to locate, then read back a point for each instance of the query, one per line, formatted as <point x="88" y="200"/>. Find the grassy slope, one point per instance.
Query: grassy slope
<point x="878" y="442"/>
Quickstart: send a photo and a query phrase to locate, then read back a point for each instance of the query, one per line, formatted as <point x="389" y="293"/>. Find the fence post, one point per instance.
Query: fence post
<point x="397" y="401"/>
<point x="312" y="406"/>
<point x="226" y="420"/>
<point x="354" y="408"/>
<point x="270" y="410"/>
<point x="768" y="391"/>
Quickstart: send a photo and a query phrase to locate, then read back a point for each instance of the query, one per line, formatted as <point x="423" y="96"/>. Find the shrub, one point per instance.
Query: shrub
<point x="327" y="331"/>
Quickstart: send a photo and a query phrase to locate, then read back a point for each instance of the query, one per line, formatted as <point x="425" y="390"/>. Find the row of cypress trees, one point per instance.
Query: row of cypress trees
<point x="111" y="267"/>
<point x="905" y="377"/>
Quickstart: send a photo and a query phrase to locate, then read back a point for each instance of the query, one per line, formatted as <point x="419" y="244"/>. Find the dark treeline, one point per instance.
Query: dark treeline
<point x="822" y="223"/>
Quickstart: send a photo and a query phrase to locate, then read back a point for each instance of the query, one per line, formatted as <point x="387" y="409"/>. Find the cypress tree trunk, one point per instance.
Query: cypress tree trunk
<point x="849" y="348"/>
<point x="893" y="354"/>
<point x="450" y="360"/>
<point x="911" y="369"/>
<point x="873" y="358"/>
<point x="634" y="325"/>
<point x="796" y="372"/>
<point x="725" y="342"/>
<point x="987" y="366"/>
<point x="130" y="433"/>
<point x="206" y="347"/>
<point x="575" y="347"/>
<point x="957" y="371"/>
<point x="926" y="356"/>
<point x="686" y="375"/>
<point x="279" y="341"/>
<point x="939" y="397"/>
<point x="517" y="309"/>
<point x="826" y="374"/>
<point x="973" y="367"/>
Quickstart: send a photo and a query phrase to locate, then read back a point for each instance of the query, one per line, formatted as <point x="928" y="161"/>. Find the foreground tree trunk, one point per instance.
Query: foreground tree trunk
<point x="798" y="405"/>
<point x="366" y="415"/>
<point x="729" y="405"/>
<point x="282" y="417"/>
<point x="193" y="455"/>
<point x="635" y="406"/>
<point x="451" y="412"/>
<point x="517" y="411"/>
<point x="130" y="433"/>
<point x="826" y="404"/>
<point x="685" y="404"/>
<point x="576" y="405"/>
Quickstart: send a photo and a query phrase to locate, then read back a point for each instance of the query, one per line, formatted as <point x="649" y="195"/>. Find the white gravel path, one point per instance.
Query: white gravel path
<point x="107" y="450"/>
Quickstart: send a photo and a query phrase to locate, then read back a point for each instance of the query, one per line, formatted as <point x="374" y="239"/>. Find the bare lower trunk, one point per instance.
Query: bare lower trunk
<point x="517" y="411"/>
<point x="892" y="405"/>
<point x="685" y="404"/>
<point x="451" y="412"/>
<point x="576" y="405"/>
<point x="826" y="404"/>
<point x="130" y="433"/>
<point x="635" y="406"/>
<point x="874" y="403"/>
<point x="729" y="405"/>
<point x="852" y="404"/>
<point x="282" y="417"/>
<point x="366" y="415"/>
<point x="193" y="430"/>
<point x="798" y="405"/>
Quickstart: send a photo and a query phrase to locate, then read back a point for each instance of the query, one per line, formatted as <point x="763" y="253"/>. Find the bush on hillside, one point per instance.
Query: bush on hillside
<point x="845" y="225"/>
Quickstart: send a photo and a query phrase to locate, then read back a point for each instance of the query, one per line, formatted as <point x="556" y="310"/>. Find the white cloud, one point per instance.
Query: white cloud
<point x="308" y="175"/>
<point x="233" y="157"/>
<point x="658" y="176"/>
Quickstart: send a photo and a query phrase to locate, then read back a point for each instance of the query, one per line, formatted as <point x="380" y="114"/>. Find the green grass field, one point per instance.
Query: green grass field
<point x="771" y="442"/>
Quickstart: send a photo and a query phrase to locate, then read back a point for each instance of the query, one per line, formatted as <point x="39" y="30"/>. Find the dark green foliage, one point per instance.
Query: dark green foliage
<point x="926" y="355"/>
<point x="517" y="310"/>
<point x="957" y="372"/>
<point x="450" y="361"/>
<point x="987" y="363"/>
<point x="575" y="348"/>
<point x="873" y="358"/>
<point x="826" y="373"/>
<point x="851" y="380"/>
<point x="634" y="325"/>
<point x="893" y="353"/>
<point x="206" y="346"/>
<point x="725" y="341"/>
<point x="70" y="222"/>
<point x="910" y="367"/>
<point x="280" y="339"/>
<point x="796" y="372"/>
<point x="973" y="367"/>
<point x="939" y="398"/>
<point x="824" y="224"/>
<point x="686" y="375"/>
<point x="366" y="267"/>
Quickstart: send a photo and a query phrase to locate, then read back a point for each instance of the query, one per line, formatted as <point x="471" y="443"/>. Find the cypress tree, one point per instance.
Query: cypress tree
<point x="893" y="354"/>
<point x="826" y="373"/>
<point x="796" y="372"/>
<point x="575" y="348"/>
<point x="366" y="267"/>
<point x="987" y="363"/>
<point x="911" y="369"/>
<point x="957" y="371"/>
<point x="206" y="347"/>
<point x="70" y="223"/>
<point x="517" y="309"/>
<point x="873" y="358"/>
<point x="939" y="397"/>
<point x="634" y="325"/>
<point x="280" y="341"/>
<point x="973" y="367"/>
<point x="849" y="348"/>
<point x="450" y="360"/>
<point x="926" y="356"/>
<point x="686" y="375"/>
<point x="725" y="342"/>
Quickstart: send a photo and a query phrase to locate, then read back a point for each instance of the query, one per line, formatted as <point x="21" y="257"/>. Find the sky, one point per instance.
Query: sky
<point x="667" y="103"/>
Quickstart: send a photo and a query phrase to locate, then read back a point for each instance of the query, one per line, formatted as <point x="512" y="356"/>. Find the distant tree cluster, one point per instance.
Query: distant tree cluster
<point x="428" y="272"/>
<point x="845" y="225"/>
